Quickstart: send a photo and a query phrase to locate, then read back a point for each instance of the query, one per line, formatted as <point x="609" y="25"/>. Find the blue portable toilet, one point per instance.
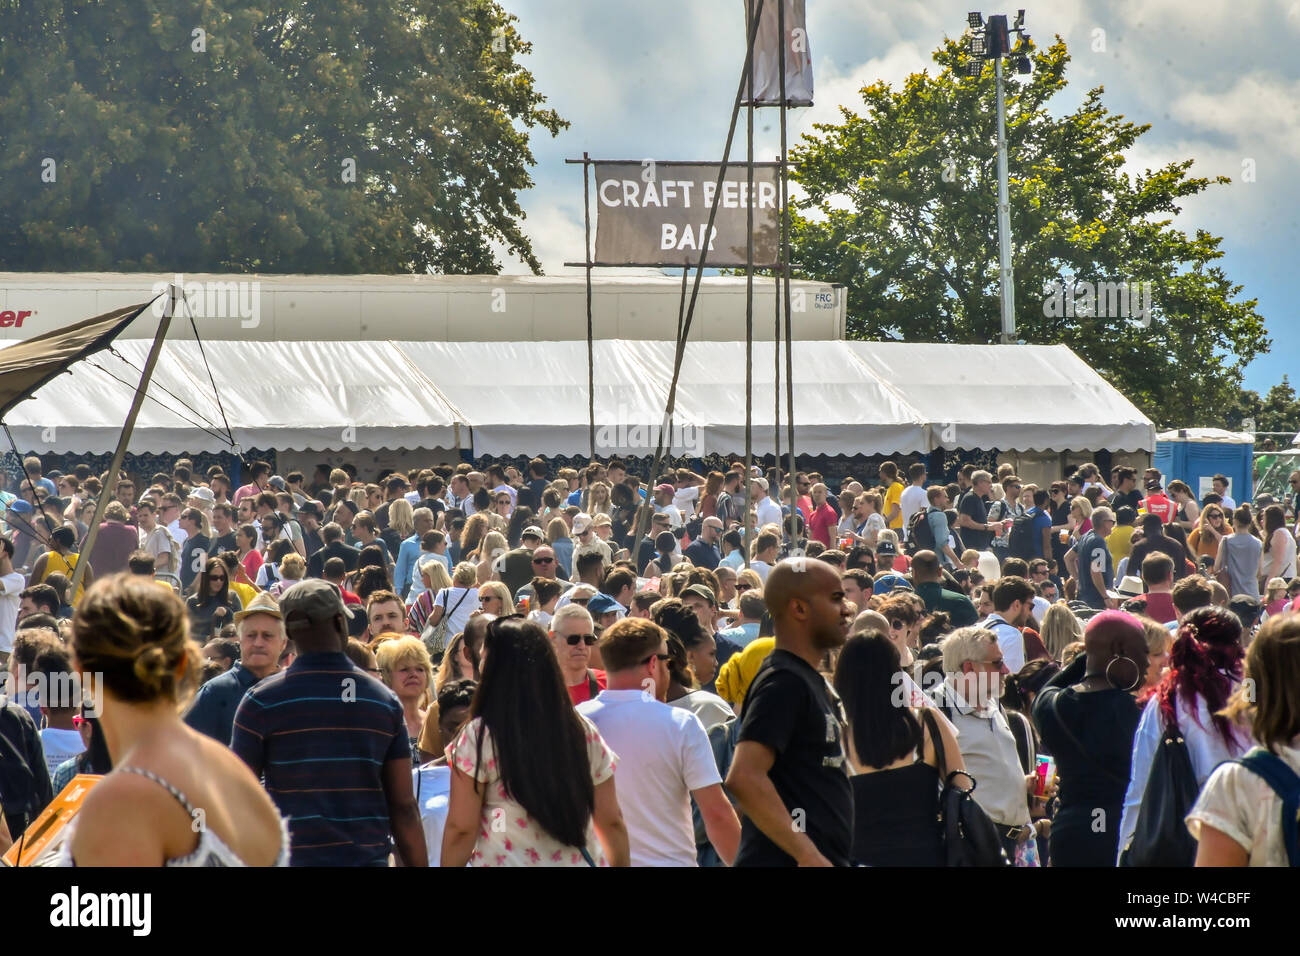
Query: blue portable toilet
<point x="1196" y="455"/>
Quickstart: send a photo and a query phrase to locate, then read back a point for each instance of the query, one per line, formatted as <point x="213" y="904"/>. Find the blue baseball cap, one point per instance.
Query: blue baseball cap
<point x="21" y="506"/>
<point x="602" y="604"/>
<point x="890" y="581"/>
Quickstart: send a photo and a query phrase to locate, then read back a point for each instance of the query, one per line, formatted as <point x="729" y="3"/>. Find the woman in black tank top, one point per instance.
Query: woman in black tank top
<point x="893" y="741"/>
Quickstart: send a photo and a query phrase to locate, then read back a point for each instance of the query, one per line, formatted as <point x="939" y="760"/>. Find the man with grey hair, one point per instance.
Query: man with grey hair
<point x="573" y="634"/>
<point x="408" y="584"/>
<point x="1091" y="564"/>
<point x="973" y="513"/>
<point x="969" y="696"/>
<point x="262" y="645"/>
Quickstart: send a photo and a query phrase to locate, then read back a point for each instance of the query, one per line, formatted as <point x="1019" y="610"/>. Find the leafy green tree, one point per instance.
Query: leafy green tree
<point x="1280" y="410"/>
<point x="289" y="136"/>
<point x="900" y="205"/>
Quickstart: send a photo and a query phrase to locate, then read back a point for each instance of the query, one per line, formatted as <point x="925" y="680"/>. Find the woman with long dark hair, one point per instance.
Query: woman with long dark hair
<point x="213" y="605"/>
<point x="533" y="782"/>
<point x="1086" y="717"/>
<point x="1205" y="666"/>
<point x="1278" y="558"/>
<point x="896" y="753"/>
<point x="520" y="519"/>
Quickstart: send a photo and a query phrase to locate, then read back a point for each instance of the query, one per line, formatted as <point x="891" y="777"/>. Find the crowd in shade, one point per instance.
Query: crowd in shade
<point x="573" y="667"/>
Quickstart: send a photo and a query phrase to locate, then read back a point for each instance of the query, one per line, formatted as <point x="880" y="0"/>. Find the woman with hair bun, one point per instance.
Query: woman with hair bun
<point x="175" y="797"/>
<point x="1205" y="665"/>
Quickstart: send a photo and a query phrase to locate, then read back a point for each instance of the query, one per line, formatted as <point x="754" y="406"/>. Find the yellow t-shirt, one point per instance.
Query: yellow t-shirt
<point x="246" y="592"/>
<point x="56" y="563"/>
<point x="892" y="495"/>
<point x="740" y="670"/>
<point x="1120" y="543"/>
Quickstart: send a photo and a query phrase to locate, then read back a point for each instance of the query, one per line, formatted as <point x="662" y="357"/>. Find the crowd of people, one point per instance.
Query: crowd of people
<point x="572" y="667"/>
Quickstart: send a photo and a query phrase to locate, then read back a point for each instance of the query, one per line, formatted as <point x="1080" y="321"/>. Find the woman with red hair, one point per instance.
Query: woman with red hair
<point x="1205" y="667"/>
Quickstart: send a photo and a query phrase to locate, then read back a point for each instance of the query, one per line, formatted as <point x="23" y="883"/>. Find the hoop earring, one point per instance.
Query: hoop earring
<point x="1137" y="680"/>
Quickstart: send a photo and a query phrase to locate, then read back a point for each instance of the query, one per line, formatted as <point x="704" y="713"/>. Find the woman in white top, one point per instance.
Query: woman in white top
<point x="175" y="797"/>
<point x="1277" y="559"/>
<point x="1238" y="817"/>
<point x="457" y="602"/>
<point x="1204" y="669"/>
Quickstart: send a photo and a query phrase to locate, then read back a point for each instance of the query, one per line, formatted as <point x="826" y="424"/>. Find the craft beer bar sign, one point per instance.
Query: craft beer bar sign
<point x="657" y="214"/>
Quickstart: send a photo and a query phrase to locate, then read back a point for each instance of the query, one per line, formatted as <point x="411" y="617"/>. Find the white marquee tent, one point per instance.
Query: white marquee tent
<point x="530" y="398"/>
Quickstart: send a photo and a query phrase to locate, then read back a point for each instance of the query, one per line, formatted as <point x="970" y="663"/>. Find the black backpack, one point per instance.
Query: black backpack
<point x="920" y="536"/>
<point x="1160" y="838"/>
<point x="1020" y="543"/>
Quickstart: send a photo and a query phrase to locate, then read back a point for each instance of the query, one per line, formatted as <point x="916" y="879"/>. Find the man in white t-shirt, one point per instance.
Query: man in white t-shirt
<point x="155" y="538"/>
<point x="663" y="504"/>
<point x="664" y="754"/>
<point x="913" y="498"/>
<point x="767" y="510"/>
<point x="11" y="583"/>
<point x="765" y="554"/>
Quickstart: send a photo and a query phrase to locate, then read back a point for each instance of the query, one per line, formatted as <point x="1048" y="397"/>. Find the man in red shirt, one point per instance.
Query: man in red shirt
<point x="1158" y="579"/>
<point x="572" y="636"/>
<point x="822" y="520"/>
<point x="1158" y="503"/>
<point x="803" y="502"/>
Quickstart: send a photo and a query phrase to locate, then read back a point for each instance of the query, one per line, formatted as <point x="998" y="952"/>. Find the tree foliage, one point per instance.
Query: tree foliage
<point x="901" y="206"/>
<point x="1277" y="411"/>
<point x="216" y="135"/>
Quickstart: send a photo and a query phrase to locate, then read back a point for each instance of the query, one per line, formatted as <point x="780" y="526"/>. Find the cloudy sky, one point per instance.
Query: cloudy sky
<point x="1218" y="82"/>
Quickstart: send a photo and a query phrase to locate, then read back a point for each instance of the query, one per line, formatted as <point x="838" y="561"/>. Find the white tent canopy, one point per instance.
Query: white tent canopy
<point x="317" y="396"/>
<point x="530" y="398"/>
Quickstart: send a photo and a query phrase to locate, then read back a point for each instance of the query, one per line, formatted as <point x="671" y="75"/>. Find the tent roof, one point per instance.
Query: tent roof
<point x="1012" y="397"/>
<point x="530" y="398"/>
<point x="320" y="396"/>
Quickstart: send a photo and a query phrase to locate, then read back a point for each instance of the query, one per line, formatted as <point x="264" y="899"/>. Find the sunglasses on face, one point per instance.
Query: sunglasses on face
<point x="543" y="560"/>
<point x="662" y="657"/>
<point x="743" y="587"/>
<point x="573" y="639"/>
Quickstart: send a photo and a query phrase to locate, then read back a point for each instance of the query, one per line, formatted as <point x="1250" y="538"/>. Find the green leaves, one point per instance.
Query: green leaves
<point x="900" y="206"/>
<point x="235" y="157"/>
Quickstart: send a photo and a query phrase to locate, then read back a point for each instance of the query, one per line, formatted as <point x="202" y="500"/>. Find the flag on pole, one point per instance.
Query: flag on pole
<point x="767" y="54"/>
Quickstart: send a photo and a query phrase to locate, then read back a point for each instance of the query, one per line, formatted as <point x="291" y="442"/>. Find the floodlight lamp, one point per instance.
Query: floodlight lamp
<point x="977" y="45"/>
<point x="973" y="68"/>
<point x="1023" y="65"/>
<point x="975" y="20"/>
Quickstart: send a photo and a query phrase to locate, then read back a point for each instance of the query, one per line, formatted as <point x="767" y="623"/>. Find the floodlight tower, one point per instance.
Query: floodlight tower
<point x="992" y="41"/>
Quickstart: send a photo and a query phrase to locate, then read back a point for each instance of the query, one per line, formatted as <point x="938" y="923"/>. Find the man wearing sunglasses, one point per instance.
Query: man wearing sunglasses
<point x="572" y="637"/>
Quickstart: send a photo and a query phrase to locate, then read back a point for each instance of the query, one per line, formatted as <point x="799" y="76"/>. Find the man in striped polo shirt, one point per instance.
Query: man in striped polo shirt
<point x="329" y="742"/>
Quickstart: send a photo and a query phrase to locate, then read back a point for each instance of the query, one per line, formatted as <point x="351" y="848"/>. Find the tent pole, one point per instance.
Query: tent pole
<point x="591" y="355"/>
<point x="746" y="531"/>
<point x="123" y="440"/>
<point x="643" y="514"/>
<point x="785" y="272"/>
